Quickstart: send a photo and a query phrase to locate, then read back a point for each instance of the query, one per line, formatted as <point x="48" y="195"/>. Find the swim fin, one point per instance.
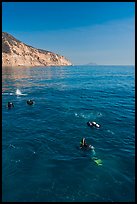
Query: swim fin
<point x="97" y="161"/>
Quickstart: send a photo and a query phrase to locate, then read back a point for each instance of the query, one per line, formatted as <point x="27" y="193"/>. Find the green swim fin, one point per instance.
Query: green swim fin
<point x="97" y="161"/>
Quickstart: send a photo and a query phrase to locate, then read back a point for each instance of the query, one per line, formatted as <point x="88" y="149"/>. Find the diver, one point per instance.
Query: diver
<point x="30" y="102"/>
<point x="93" y="124"/>
<point x="10" y="105"/>
<point x="84" y="145"/>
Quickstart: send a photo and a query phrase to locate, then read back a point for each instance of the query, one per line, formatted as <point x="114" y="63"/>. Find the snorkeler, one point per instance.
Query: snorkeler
<point x="30" y="102"/>
<point x="10" y="105"/>
<point x="84" y="145"/>
<point x="93" y="124"/>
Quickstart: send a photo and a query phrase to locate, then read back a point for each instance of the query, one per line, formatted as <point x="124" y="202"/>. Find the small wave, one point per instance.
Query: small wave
<point x="7" y="93"/>
<point x="81" y="115"/>
<point x="76" y="115"/>
<point x="12" y="146"/>
<point x="111" y="132"/>
<point x="15" y="161"/>
<point x="22" y="95"/>
<point x="99" y="114"/>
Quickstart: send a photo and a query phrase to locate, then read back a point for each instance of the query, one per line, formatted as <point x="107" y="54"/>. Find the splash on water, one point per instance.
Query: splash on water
<point x="85" y="116"/>
<point x="18" y="93"/>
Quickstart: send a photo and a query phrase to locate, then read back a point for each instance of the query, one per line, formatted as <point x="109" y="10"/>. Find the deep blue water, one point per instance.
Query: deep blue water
<point x="41" y="159"/>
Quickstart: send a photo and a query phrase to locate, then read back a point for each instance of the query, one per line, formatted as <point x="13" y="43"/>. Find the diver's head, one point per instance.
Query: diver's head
<point x="29" y="102"/>
<point x="10" y="104"/>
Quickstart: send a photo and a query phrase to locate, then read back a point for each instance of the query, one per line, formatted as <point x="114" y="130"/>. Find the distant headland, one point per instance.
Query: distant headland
<point x="16" y="54"/>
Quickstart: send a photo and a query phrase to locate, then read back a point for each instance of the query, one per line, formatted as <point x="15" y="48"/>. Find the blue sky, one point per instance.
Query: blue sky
<point x="83" y="32"/>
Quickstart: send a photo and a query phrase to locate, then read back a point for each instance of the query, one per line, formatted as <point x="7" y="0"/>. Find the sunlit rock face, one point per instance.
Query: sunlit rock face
<point x="15" y="53"/>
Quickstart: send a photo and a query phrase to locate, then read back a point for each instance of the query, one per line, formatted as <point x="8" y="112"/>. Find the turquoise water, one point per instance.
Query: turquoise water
<point x="41" y="159"/>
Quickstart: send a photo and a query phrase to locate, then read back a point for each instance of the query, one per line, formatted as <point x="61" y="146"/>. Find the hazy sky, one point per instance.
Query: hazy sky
<point x="83" y="32"/>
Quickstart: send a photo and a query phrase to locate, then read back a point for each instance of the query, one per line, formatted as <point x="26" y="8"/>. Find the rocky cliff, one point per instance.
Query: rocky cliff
<point x="15" y="53"/>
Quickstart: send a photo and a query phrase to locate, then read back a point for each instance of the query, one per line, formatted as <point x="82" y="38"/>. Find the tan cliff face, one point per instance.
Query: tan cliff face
<point x="15" y="53"/>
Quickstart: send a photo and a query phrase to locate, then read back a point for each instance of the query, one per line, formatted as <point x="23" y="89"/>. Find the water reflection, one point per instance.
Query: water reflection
<point x="38" y="72"/>
<point x="14" y="73"/>
<point x="26" y="77"/>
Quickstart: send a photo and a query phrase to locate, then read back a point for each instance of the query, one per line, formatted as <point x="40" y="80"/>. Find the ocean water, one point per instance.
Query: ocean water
<point x="41" y="159"/>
